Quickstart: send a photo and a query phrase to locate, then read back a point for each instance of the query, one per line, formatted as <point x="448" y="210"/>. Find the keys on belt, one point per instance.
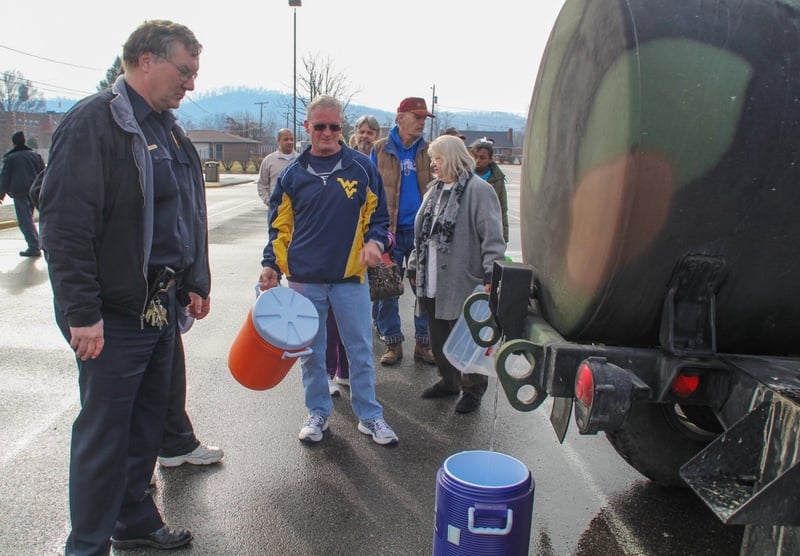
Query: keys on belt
<point x="160" y="280"/>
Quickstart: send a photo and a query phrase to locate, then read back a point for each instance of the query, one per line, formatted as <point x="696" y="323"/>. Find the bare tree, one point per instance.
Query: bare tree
<point x="441" y="122"/>
<point x="243" y="125"/>
<point x="111" y="75"/>
<point x="320" y="78"/>
<point x="18" y="95"/>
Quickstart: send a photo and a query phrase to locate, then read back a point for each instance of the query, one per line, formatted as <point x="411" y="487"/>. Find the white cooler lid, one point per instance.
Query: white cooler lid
<point x="285" y="319"/>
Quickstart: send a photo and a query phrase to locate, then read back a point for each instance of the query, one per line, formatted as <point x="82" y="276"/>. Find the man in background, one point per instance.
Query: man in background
<point x="488" y="170"/>
<point x="274" y="163"/>
<point x="405" y="167"/>
<point x="366" y="131"/>
<point x="455" y="133"/>
<point x="179" y="444"/>
<point x="21" y="165"/>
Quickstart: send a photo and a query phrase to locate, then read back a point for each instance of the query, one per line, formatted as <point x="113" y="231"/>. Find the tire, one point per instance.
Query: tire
<point x="657" y="439"/>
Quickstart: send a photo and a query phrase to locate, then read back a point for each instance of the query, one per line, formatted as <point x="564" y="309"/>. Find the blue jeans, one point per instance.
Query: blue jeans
<point x="386" y="312"/>
<point x="350" y="303"/>
<point x="23" y="206"/>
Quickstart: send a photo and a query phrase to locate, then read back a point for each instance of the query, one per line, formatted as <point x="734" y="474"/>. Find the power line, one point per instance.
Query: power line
<point x="48" y="59"/>
<point x="195" y="103"/>
<point x="44" y="86"/>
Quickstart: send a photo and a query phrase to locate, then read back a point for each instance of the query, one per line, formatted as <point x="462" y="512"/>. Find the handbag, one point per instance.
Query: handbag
<point x="385" y="280"/>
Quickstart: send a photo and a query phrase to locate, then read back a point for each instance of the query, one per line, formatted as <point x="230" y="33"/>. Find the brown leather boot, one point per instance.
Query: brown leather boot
<point x="424" y="353"/>
<point x="393" y="355"/>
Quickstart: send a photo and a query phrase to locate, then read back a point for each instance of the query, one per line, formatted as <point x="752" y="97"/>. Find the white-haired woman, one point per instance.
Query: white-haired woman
<point x="458" y="235"/>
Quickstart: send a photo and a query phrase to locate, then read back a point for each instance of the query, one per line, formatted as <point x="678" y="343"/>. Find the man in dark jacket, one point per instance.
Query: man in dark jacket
<point x="125" y="234"/>
<point x="486" y="168"/>
<point x="21" y="165"/>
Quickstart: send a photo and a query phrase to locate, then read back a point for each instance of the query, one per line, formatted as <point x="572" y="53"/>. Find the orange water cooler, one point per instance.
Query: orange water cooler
<point x="279" y="328"/>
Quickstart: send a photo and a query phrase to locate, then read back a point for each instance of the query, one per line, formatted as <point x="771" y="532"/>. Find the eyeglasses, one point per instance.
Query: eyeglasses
<point x="332" y="127"/>
<point x="185" y="73"/>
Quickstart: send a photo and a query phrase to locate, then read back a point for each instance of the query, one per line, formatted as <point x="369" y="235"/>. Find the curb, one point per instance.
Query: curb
<point x="5" y="224"/>
<point x="227" y="182"/>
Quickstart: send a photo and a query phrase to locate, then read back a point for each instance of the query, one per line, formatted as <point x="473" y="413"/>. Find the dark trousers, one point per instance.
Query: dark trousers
<point x="23" y="207"/>
<point x="335" y="354"/>
<point x="179" y="435"/>
<point x="115" y="438"/>
<point x="452" y="378"/>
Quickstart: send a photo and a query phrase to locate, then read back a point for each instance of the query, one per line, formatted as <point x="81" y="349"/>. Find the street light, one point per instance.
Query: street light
<point x="434" y="100"/>
<point x="295" y="4"/>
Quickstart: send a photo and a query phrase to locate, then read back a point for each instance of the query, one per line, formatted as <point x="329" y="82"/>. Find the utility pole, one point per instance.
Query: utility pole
<point x="261" y="119"/>
<point x="433" y="111"/>
<point x="294" y="4"/>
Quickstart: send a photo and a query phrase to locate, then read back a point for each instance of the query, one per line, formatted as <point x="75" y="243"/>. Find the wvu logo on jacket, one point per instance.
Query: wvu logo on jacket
<point x="348" y="186"/>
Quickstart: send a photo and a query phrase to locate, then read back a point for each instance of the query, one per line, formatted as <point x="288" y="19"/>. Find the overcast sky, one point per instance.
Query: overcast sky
<point x="480" y="55"/>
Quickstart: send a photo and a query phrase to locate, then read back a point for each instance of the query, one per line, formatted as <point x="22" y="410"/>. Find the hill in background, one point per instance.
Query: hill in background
<point x="273" y="110"/>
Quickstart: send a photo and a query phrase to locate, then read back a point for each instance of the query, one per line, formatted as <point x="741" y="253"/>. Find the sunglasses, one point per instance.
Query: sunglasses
<point x="332" y="127"/>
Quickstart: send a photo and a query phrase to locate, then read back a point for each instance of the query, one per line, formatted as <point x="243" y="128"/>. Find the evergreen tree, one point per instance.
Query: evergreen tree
<point x="111" y="75"/>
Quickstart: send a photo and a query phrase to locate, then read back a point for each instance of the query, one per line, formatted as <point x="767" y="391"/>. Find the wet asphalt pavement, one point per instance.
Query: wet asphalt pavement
<point x="275" y="495"/>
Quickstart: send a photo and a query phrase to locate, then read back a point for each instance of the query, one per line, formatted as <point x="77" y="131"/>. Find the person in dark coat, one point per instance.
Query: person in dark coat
<point x="21" y="165"/>
<point x="485" y="167"/>
<point x="125" y="234"/>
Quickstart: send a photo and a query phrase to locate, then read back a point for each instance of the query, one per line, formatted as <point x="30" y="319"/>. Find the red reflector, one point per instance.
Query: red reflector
<point x="685" y="385"/>
<point x="584" y="384"/>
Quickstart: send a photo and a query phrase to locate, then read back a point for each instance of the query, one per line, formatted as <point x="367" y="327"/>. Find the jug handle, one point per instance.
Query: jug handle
<point x="295" y="354"/>
<point x="476" y="326"/>
<point x="488" y="530"/>
<point x="259" y="291"/>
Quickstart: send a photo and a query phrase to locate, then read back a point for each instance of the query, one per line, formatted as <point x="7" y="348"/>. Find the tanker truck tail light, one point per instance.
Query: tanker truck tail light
<point x="603" y="395"/>
<point x="685" y="384"/>
<point x="584" y="386"/>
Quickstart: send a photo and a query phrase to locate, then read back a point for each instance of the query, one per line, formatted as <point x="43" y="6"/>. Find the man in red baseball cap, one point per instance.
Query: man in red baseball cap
<point x="405" y="167"/>
<point x="416" y="106"/>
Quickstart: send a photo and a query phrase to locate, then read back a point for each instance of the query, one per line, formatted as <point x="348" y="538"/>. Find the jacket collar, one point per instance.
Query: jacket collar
<point x="347" y="155"/>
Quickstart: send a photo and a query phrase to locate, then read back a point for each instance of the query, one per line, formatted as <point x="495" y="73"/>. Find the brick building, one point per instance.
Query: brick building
<point x="37" y="127"/>
<point x="226" y="147"/>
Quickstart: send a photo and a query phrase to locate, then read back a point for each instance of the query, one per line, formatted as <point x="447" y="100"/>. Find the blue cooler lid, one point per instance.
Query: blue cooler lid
<point x="490" y="471"/>
<point x="285" y="319"/>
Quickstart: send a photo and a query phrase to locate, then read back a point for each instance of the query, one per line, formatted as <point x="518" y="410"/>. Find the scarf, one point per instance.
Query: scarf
<point x="441" y="232"/>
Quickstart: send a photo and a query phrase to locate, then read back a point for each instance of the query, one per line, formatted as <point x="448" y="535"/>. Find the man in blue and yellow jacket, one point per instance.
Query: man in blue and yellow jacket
<point x="328" y="223"/>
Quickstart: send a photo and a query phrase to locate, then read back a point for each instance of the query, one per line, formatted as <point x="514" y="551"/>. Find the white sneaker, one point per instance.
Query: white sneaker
<point x="332" y="388"/>
<point x="379" y="430"/>
<point x="342" y="381"/>
<point x="313" y="428"/>
<point x="202" y="455"/>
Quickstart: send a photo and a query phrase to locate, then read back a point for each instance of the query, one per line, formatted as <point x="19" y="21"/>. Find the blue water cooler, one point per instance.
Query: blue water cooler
<point x="484" y="505"/>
